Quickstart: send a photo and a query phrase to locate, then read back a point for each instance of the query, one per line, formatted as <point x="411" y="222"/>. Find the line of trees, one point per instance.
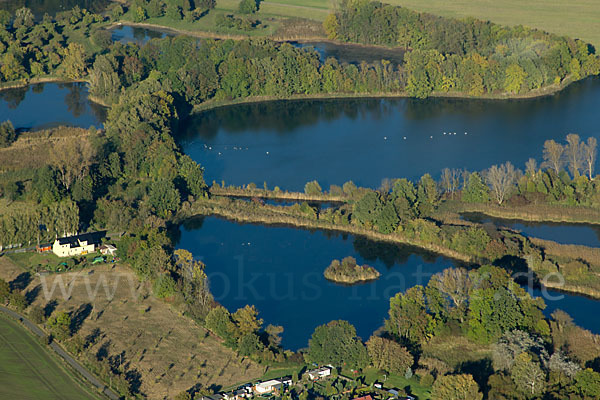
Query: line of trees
<point x="469" y="55"/>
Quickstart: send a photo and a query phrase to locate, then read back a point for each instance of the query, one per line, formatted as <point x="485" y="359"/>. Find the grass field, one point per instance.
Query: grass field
<point x="28" y="371"/>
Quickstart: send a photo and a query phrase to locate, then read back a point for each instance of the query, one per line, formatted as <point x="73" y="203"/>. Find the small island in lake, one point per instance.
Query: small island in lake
<point x="348" y="272"/>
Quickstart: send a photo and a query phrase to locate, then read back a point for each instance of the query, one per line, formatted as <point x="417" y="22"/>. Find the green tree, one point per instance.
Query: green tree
<point x="586" y="385"/>
<point x="336" y="343"/>
<point x="60" y="325"/>
<point x="408" y="317"/>
<point x="7" y="134"/>
<point x="476" y="191"/>
<point x="248" y="6"/>
<point x="164" y="197"/>
<point x="456" y="387"/>
<point x="219" y="322"/>
<point x="249" y="345"/>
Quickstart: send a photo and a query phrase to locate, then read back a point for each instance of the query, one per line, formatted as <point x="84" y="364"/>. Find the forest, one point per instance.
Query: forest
<point x="468" y="56"/>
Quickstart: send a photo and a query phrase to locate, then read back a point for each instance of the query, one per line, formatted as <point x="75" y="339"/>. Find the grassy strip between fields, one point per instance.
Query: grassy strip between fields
<point x="29" y="370"/>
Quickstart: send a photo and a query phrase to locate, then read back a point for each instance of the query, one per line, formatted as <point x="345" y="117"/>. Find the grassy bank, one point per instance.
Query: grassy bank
<point x="530" y="212"/>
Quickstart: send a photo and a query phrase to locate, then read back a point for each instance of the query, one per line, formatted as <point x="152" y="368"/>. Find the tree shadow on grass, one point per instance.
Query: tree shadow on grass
<point x="21" y="281"/>
<point x="79" y="316"/>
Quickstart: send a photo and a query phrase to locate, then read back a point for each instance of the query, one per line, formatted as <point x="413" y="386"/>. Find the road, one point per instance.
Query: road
<point x="61" y="352"/>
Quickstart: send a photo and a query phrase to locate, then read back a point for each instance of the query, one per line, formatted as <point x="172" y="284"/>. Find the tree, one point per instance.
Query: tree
<point x="60" y="325"/>
<point x="574" y="153"/>
<point x="4" y="290"/>
<point x="515" y="78"/>
<point x="456" y="387"/>
<point x="219" y="322"/>
<point x="23" y="18"/>
<point x="501" y="180"/>
<point x="589" y="156"/>
<point x="164" y="197"/>
<point x="313" y="188"/>
<point x="388" y="355"/>
<point x="74" y="62"/>
<point x="408" y="317"/>
<point x="248" y="6"/>
<point x="553" y="155"/>
<point x="587" y="384"/>
<point x="336" y="343"/>
<point x="450" y="180"/>
<point x="562" y="366"/>
<point x="37" y="314"/>
<point x="511" y="344"/>
<point x="72" y="159"/>
<point x="454" y="283"/>
<point x="7" y="134"/>
<point x="475" y="191"/>
<point x="528" y="375"/>
<point x="246" y="320"/>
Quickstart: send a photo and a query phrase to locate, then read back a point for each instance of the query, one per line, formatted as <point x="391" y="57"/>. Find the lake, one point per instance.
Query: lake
<point x="47" y="105"/>
<point x="565" y="233"/>
<point x="280" y="271"/>
<point x="288" y="143"/>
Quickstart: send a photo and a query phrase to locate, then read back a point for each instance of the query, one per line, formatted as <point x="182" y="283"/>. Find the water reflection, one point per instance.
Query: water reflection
<point x="128" y="34"/>
<point x="40" y="106"/>
<point x="287" y="143"/>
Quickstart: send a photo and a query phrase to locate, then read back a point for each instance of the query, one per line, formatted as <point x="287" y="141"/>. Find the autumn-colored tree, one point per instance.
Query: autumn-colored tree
<point x="388" y="355"/>
<point x="456" y="387"/>
<point x="553" y="155"/>
<point x="515" y="78"/>
<point x="247" y="320"/>
<point x="74" y="61"/>
<point x="72" y="159"/>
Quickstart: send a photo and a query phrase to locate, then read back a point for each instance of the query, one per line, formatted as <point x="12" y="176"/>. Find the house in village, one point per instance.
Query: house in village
<point x="75" y="245"/>
<point x="319" y="373"/>
<point x="274" y="385"/>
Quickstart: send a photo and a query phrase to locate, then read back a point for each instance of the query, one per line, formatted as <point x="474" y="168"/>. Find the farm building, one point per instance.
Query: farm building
<point x="74" y="245"/>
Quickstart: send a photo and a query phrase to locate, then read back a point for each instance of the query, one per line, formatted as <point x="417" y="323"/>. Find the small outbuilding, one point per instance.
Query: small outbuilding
<point x="108" y="250"/>
<point x="268" y="386"/>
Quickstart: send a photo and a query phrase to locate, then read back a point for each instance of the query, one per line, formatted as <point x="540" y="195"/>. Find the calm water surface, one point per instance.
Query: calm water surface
<point x="50" y="104"/>
<point x="128" y="34"/>
<point x="280" y="270"/>
<point x="582" y="234"/>
<point x="367" y="140"/>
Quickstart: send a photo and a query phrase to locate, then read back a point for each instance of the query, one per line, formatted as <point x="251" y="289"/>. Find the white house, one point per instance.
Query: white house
<point x="317" y="374"/>
<point x="267" y="387"/>
<point x="73" y="246"/>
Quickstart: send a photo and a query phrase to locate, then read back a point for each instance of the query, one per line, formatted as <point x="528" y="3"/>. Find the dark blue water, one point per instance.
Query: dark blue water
<point x="128" y="34"/>
<point x="582" y="234"/>
<point x="289" y="143"/>
<point x="50" y="104"/>
<point x="280" y="270"/>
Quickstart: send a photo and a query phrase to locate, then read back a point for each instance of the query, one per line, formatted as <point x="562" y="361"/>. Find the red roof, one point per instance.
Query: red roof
<point x="368" y="397"/>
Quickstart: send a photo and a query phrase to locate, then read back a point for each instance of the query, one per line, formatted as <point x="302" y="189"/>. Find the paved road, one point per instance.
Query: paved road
<point x="61" y="352"/>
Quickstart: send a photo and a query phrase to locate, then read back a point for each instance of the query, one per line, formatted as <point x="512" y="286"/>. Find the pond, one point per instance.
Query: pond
<point x="288" y="143"/>
<point x="47" y="105"/>
<point x="280" y="271"/>
<point x="129" y="34"/>
<point x="565" y="233"/>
